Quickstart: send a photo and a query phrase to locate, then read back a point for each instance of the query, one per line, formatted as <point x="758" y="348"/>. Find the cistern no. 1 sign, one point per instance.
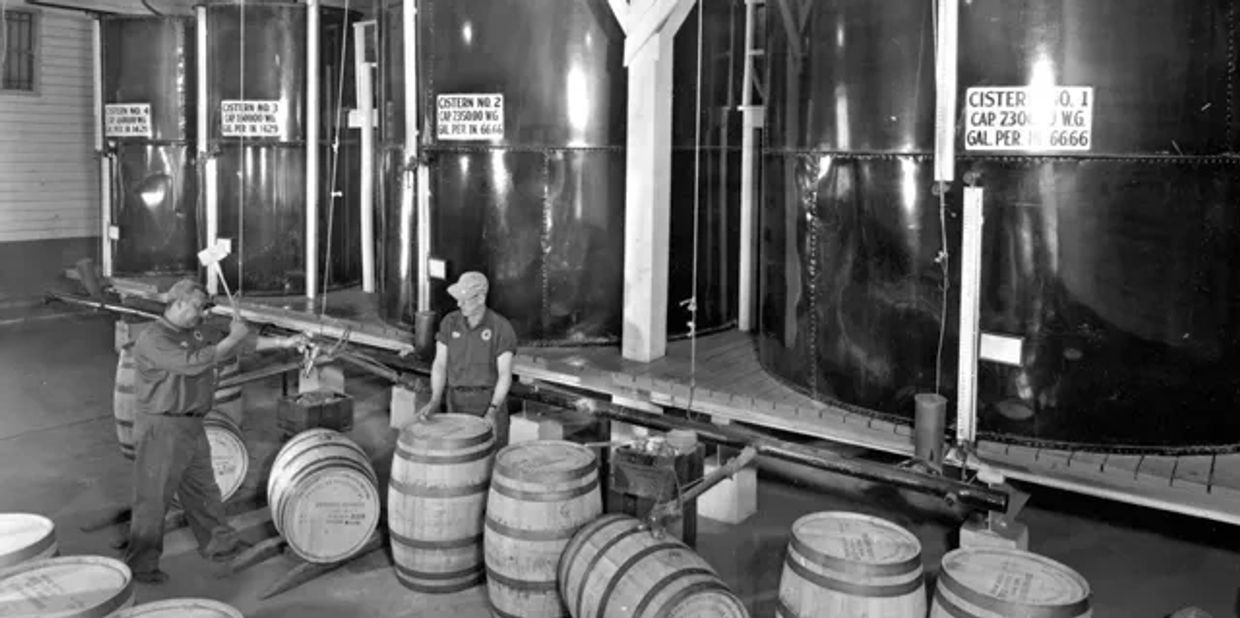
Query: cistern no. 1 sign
<point x="1029" y="118"/>
<point x="469" y="117"/>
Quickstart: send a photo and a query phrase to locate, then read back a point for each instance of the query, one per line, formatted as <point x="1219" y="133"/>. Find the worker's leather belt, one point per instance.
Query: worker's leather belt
<point x="471" y="389"/>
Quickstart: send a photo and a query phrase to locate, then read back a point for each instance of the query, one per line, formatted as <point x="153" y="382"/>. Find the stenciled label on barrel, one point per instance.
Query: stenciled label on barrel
<point x="58" y="587"/>
<point x="181" y="608"/>
<point x="226" y="456"/>
<point x="857" y="538"/>
<point x="1016" y="577"/>
<point x="335" y="512"/>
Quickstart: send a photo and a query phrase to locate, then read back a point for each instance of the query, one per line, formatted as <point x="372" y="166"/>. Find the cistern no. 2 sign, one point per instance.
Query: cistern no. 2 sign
<point x="469" y="117"/>
<point x="1029" y="118"/>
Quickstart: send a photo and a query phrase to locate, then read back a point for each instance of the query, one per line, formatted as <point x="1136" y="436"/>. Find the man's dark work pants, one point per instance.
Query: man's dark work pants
<point x="172" y="455"/>
<point x="475" y="401"/>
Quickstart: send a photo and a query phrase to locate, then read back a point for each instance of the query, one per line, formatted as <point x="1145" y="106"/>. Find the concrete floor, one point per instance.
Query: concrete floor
<point x="59" y="456"/>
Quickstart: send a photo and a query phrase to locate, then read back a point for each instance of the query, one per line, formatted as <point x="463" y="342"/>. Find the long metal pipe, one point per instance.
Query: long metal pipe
<point x="971" y="222"/>
<point x="312" y="148"/>
<point x="365" y="109"/>
<point x="973" y="496"/>
<point x="744" y="319"/>
<point x="967" y="495"/>
<point x="945" y="59"/>
<point x="105" y="160"/>
<point x="206" y="162"/>
<point x="416" y="194"/>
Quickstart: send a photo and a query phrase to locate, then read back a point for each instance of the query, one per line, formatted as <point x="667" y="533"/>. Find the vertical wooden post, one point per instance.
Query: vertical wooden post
<point x="651" y="26"/>
<point x="648" y="202"/>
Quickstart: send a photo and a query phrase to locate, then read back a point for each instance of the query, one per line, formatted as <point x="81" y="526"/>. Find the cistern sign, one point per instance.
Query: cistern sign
<point x="1029" y="118"/>
<point x="250" y="118"/>
<point x="463" y="117"/>
<point x="127" y="120"/>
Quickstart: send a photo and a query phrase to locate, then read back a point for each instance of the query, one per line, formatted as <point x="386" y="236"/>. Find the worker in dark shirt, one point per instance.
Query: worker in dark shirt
<point x="474" y="348"/>
<point x="174" y="387"/>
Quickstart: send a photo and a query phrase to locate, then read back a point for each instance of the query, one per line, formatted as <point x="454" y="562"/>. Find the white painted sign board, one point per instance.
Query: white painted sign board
<point x="250" y="118"/>
<point x="1029" y="118"/>
<point x="127" y="120"/>
<point x="465" y="117"/>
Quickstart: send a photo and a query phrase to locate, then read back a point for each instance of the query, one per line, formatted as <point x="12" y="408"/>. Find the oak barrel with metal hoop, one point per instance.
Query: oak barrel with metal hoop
<point x="26" y="536"/>
<point x="994" y="582"/>
<point x="66" y="587"/>
<point x="850" y="564"/>
<point x="541" y="493"/>
<point x="124" y="405"/>
<point x="323" y="495"/>
<point x="441" y="472"/>
<point x="228" y="400"/>
<point x="181" y="608"/>
<point x="614" y="566"/>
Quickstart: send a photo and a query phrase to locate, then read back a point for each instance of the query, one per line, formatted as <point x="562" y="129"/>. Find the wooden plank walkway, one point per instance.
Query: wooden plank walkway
<point x="730" y="385"/>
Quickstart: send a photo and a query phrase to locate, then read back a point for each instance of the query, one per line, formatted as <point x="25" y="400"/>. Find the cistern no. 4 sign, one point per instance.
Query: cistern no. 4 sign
<point x="1029" y="118"/>
<point x="127" y="120"/>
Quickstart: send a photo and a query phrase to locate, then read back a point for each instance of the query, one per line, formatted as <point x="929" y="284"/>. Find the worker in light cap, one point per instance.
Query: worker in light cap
<point x="474" y="348"/>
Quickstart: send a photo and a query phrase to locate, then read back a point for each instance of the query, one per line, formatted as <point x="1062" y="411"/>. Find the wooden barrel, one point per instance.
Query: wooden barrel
<point x="124" y="404"/>
<point x="615" y="567"/>
<point x="323" y="496"/>
<point x="849" y="564"/>
<point x="994" y="582"/>
<point x="436" y="500"/>
<point x="229" y="456"/>
<point x="181" y="608"/>
<point x="228" y="400"/>
<point x="26" y="536"/>
<point x="66" y="587"/>
<point x="541" y="493"/>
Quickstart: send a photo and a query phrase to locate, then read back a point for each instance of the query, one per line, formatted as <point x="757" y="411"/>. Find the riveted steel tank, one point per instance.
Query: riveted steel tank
<point x="1107" y="250"/>
<point x="149" y="99"/>
<point x="257" y="93"/>
<point x="539" y="206"/>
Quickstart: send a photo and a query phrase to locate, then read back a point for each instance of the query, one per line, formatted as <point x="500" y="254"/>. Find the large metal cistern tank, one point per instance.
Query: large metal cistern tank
<point x="1109" y="235"/>
<point x="149" y="98"/>
<point x="524" y="108"/>
<point x="258" y="122"/>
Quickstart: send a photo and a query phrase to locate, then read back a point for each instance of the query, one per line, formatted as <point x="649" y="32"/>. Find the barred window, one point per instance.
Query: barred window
<point x="17" y="50"/>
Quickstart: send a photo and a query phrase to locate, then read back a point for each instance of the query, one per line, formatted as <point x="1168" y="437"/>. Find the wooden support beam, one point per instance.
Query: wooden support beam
<point x="620" y="9"/>
<point x="648" y="198"/>
<point x="658" y="17"/>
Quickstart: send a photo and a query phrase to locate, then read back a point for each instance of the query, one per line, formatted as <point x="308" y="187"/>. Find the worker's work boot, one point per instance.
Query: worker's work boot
<point x="225" y="552"/>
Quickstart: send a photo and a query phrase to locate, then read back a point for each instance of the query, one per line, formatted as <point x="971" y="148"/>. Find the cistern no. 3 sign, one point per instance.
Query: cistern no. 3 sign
<point x="250" y="118"/>
<point x="469" y="117"/>
<point x="1029" y="118"/>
